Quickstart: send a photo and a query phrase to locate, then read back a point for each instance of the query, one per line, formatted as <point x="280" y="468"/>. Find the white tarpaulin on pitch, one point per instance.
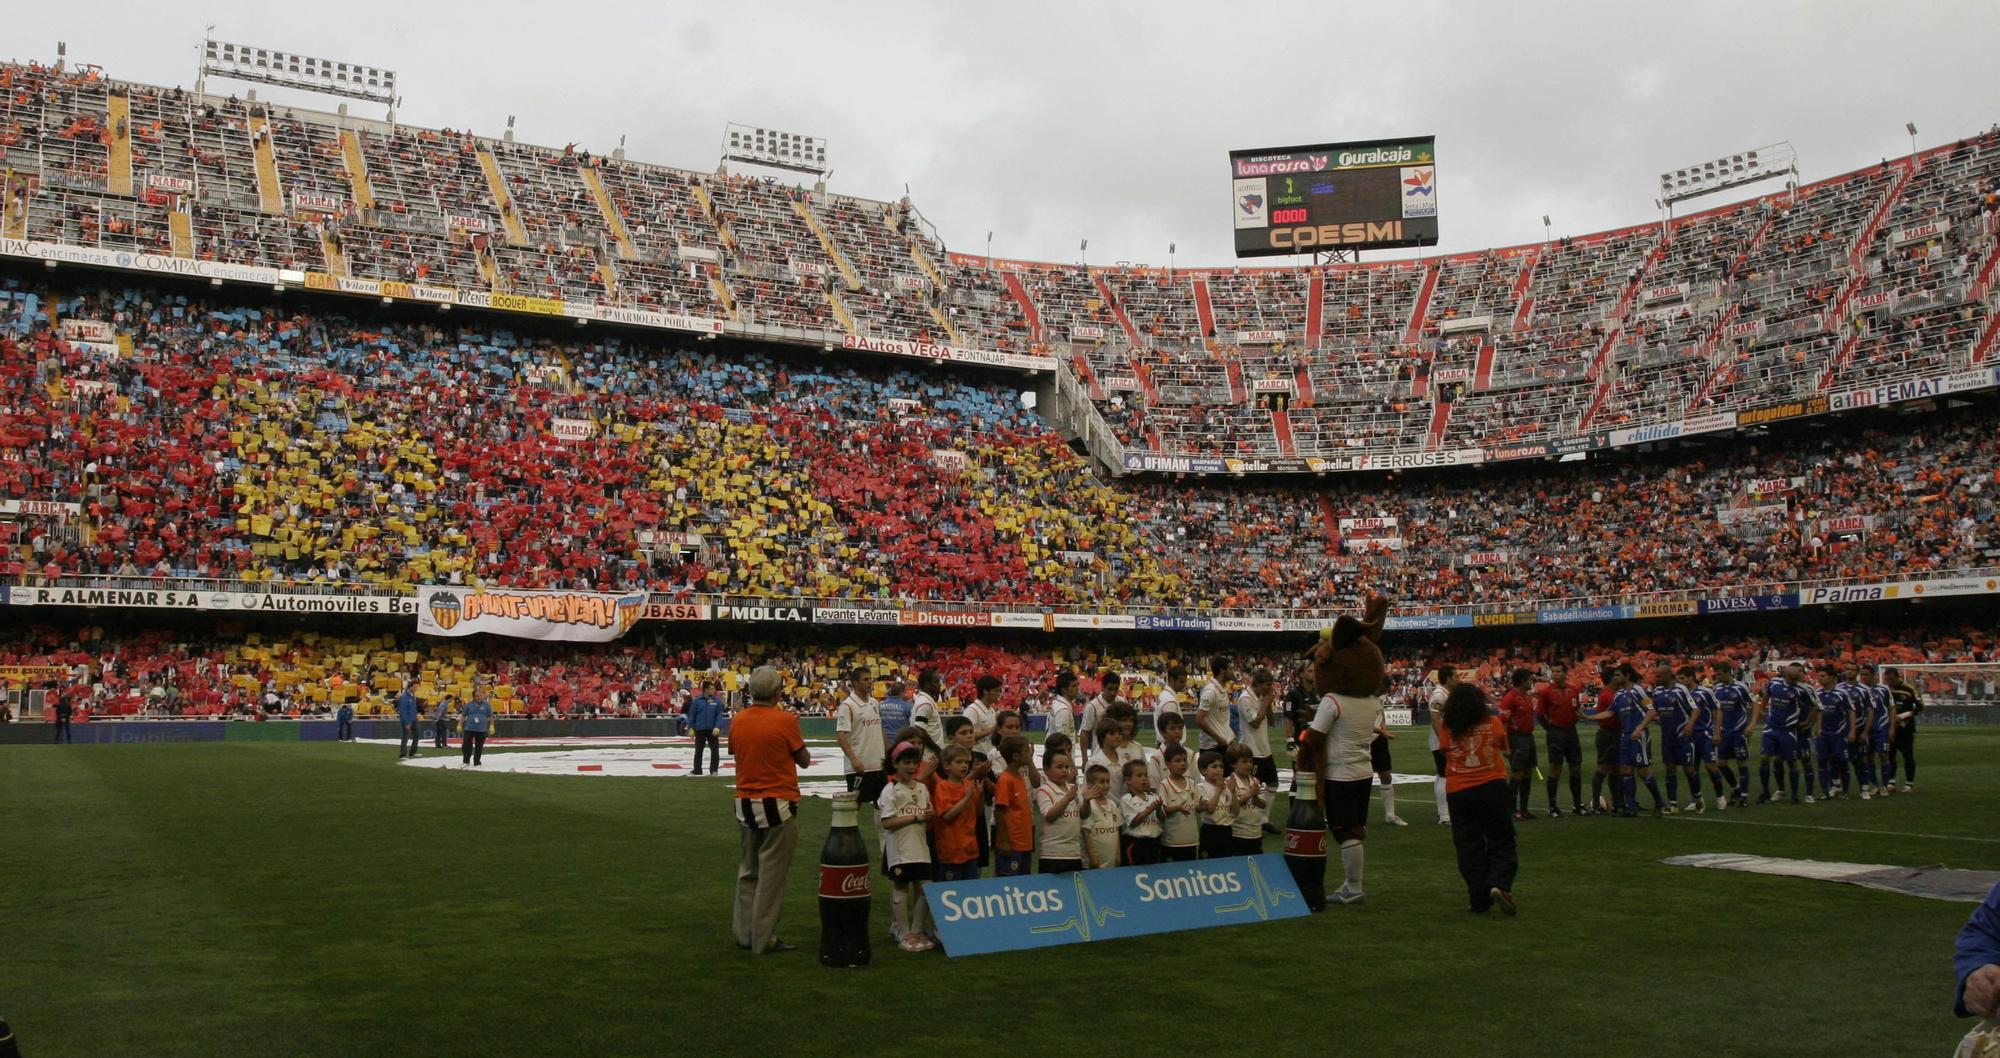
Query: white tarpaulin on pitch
<point x="576" y="616"/>
<point x="1936" y="883"/>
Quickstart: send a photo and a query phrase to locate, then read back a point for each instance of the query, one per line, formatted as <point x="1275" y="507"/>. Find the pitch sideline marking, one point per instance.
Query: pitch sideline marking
<point x="1840" y="830"/>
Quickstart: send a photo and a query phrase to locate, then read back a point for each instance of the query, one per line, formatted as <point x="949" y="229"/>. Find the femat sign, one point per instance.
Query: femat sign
<point x="1084" y="907"/>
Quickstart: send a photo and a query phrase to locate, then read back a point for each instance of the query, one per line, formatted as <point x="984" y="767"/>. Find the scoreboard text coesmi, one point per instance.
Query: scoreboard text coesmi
<point x="1375" y="194"/>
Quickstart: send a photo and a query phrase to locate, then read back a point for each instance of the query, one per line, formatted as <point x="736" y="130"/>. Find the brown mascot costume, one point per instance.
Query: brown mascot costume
<point x="1349" y="674"/>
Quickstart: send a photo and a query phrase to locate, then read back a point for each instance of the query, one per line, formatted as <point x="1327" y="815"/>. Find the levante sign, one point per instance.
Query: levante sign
<point x="1044" y="910"/>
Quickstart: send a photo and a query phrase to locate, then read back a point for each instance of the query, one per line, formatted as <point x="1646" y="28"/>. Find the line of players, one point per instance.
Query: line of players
<point x="1836" y="737"/>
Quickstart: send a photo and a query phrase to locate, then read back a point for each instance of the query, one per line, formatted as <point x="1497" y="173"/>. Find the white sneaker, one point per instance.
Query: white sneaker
<point x="1722" y="802"/>
<point x="1444" y="821"/>
<point x="1693" y="806"/>
<point x="1809" y="799"/>
<point x="1344" y="895"/>
<point x="1394" y="821"/>
<point x="1867" y="794"/>
<point x="1907" y="788"/>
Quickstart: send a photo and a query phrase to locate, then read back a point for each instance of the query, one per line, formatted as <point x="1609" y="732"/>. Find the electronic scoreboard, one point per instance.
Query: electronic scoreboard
<point x="1365" y="195"/>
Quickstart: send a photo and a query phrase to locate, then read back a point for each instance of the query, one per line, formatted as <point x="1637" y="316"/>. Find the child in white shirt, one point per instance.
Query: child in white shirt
<point x="905" y="806"/>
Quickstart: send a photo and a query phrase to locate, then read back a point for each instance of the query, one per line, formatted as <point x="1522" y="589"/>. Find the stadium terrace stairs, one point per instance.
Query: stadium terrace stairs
<point x="180" y="231"/>
<point x="1118" y="310"/>
<point x="1857" y="254"/>
<point x="1027" y="302"/>
<point x="847" y="273"/>
<point x="357" y="169"/>
<point x="118" y="118"/>
<point x="1315" y="314"/>
<point x="336" y="262"/>
<point x="1440" y="422"/>
<point x="1281" y="427"/>
<point x="1237" y="392"/>
<point x="1982" y="289"/>
<point x="1332" y="520"/>
<point x="1305" y="383"/>
<point x="270" y="193"/>
<point x="1482" y="370"/>
<point x="1204" y="311"/>
<point x="607" y="273"/>
<point x="1423" y="306"/>
<point x="627" y="250"/>
<point x="1524" y="303"/>
<point x="840" y="312"/>
<point x="496" y="184"/>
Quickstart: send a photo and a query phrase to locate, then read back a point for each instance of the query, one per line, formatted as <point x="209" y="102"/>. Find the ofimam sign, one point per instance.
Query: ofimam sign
<point x="1044" y="910"/>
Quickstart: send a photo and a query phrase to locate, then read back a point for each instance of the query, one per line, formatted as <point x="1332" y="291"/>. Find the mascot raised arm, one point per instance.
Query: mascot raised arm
<point x="1350" y="674"/>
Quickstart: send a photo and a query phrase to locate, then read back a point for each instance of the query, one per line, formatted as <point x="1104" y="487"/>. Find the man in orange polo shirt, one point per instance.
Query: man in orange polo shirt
<point x="769" y="750"/>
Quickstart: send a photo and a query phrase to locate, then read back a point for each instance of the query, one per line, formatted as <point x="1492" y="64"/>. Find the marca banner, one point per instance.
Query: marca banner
<point x="1936" y="587"/>
<point x="46" y="508"/>
<point x="1273" y="385"/>
<point x="948" y="459"/>
<point x="1259" y="337"/>
<point x="1848" y="523"/>
<point x="572" y="616"/>
<point x="1121" y="383"/>
<point x="1044" y="910"/>
<point x="573" y="429"/>
<point x="172" y="185"/>
<point x="1788" y="600"/>
<point x="318" y="202"/>
<point x="1486" y="558"/>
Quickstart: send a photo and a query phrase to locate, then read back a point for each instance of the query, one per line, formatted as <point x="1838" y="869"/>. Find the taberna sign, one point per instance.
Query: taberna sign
<point x="1085" y="907"/>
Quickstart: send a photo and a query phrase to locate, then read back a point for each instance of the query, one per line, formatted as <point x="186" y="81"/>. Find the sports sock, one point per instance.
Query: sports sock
<point x="1868" y="772"/>
<point x="1525" y="786"/>
<point x="1444" y="807"/>
<point x="1792" y="772"/>
<point x="1350" y="865"/>
<point x="1551" y="783"/>
<point x="1596" y="789"/>
<point x="1715" y="780"/>
<point x="1764" y="773"/>
<point x="1389" y="801"/>
<point x="1673" y="785"/>
<point x="1631" y="787"/>
<point x="1743" y="779"/>
<point x="898" y="912"/>
<point x="1889" y="769"/>
<point x="1653" y="787"/>
<point x="1575" y="790"/>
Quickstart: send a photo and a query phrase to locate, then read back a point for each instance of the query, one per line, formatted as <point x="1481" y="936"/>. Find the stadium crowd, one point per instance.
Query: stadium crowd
<point x="286" y="444"/>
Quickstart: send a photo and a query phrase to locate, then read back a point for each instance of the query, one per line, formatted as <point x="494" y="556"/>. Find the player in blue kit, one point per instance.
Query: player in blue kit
<point x="1733" y="697"/>
<point x="1832" y="731"/>
<point x="1634" y="710"/>
<point x="1875" y="738"/>
<point x="1706" y="734"/>
<point x="1675" y="709"/>
<point x="1804" y="720"/>
<point x="1779" y="710"/>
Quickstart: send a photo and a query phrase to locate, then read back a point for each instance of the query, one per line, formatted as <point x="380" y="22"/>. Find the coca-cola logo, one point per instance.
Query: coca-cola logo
<point x="843" y="882"/>
<point x="1305" y="842"/>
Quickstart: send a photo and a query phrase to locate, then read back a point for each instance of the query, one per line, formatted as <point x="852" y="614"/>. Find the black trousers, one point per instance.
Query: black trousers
<point x="470" y="745"/>
<point x="714" y="743"/>
<point x="343" y="731"/>
<point x="1905" y="745"/>
<point x="63" y="732"/>
<point x="1482" y="829"/>
<point x="406" y="740"/>
<point x="438" y="734"/>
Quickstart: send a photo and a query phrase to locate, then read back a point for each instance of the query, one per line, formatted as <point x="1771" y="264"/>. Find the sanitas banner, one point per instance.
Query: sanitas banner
<point x="573" y="616"/>
<point x="1045" y="910"/>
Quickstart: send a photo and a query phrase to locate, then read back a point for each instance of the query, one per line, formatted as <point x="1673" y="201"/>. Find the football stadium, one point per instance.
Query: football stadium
<point x="479" y="594"/>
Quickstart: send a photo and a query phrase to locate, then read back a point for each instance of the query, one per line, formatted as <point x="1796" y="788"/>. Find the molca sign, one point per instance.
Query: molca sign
<point x="734" y="612"/>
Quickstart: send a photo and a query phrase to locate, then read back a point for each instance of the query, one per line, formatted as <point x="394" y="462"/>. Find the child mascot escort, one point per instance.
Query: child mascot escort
<point x="1349" y="673"/>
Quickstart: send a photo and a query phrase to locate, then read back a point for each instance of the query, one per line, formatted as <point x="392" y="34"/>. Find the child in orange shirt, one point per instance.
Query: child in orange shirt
<point x="1013" y="826"/>
<point x="956" y="824"/>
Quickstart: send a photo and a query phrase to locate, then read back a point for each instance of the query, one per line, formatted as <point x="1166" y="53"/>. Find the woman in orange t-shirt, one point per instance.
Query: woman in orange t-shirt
<point x="1474" y="744"/>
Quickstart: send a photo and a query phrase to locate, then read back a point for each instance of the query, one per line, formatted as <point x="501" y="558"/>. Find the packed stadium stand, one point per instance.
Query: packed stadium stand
<point x="293" y="440"/>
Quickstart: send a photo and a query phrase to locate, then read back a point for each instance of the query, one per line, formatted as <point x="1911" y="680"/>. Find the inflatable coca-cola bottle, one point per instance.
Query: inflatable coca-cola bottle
<point x="1305" y="840"/>
<point x="844" y="896"/>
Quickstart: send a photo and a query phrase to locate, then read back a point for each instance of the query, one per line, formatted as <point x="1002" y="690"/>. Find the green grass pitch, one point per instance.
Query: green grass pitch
<point x="253" y="899"/>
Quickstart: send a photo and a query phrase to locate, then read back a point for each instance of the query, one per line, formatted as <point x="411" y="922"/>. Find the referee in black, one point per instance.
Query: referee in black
<point x="1904" y="706"/>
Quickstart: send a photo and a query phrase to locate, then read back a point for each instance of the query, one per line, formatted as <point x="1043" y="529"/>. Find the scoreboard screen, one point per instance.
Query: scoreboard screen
<point x="1366" y="195"/>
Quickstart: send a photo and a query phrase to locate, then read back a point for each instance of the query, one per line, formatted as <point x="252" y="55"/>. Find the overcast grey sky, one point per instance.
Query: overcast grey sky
<point x="1051" y="122"/>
